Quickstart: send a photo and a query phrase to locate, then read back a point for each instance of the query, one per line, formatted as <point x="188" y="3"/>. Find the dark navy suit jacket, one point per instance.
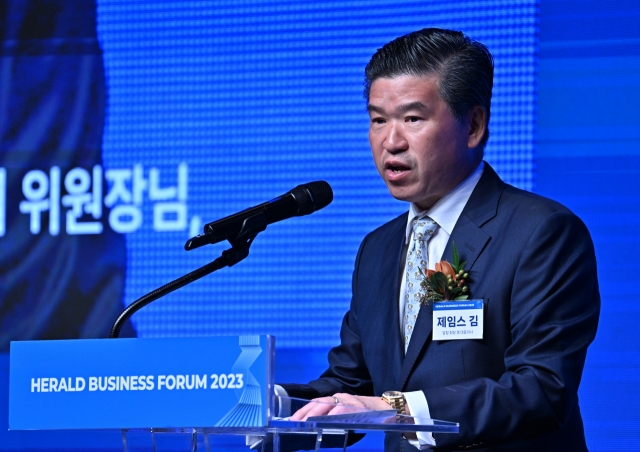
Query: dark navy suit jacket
<point x="532" y="261"/>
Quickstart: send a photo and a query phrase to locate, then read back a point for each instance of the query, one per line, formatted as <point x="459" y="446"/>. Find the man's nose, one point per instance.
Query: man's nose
<point x="396" y="140"/>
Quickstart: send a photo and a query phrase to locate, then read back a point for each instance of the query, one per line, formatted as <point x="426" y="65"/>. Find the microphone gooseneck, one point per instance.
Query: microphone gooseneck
<point x="240" y="229"/>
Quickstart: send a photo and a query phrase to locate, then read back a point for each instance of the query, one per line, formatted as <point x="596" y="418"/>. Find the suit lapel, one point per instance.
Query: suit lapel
<point x="470" y="241"/>
<point x="382" y="313"/>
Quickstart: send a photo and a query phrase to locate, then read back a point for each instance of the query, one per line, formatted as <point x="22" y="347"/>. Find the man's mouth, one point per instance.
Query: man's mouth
<point x="396" y="168"/>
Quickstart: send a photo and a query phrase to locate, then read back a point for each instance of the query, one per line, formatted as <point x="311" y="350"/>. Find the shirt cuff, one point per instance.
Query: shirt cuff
<point x="419" y="408"/>
<point x="280" y="391"/>
<point x="254" y="442"/>
<point x="284" y="402"/>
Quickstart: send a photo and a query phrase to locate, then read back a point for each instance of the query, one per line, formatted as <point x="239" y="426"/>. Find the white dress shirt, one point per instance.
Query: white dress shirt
<point x="445" y="213"/>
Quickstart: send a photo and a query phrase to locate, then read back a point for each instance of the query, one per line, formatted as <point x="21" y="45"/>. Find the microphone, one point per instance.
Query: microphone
<point x="302" y="200"/>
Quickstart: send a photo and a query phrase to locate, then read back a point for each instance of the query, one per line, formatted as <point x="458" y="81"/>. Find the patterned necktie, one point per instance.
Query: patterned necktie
<point x="417" y="261"/>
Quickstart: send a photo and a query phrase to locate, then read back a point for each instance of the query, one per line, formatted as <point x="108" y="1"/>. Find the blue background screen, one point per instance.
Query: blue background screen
<point x="128" y="125"/>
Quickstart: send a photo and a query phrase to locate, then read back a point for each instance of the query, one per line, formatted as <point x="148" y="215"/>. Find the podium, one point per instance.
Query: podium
<point x="185" y="389"/>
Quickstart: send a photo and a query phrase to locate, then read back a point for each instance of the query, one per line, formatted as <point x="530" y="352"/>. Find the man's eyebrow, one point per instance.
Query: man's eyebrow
<point x="417" y="105"/>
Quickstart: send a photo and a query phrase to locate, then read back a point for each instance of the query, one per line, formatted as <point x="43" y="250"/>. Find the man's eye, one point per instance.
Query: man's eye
<point x="377" y="120"/>
<point x="412" y="119"/>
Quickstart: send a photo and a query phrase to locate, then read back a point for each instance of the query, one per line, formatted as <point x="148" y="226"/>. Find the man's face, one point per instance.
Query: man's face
<point x="421" y="151"/>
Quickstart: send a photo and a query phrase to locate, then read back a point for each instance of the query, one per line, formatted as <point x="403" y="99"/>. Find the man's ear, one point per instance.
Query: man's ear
<point x="478" y="126"/>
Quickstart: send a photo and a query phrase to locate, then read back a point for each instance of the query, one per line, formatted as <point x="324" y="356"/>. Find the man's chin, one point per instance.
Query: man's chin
<point x="418" y="199"/>
<point x="401" y="195"/>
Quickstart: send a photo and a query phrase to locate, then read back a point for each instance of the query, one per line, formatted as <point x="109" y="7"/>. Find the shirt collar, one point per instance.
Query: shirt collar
<point x="447" y="210"/>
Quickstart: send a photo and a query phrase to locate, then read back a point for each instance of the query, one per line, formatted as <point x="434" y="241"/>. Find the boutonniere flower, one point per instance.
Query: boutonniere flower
<point x="448" y="282"/>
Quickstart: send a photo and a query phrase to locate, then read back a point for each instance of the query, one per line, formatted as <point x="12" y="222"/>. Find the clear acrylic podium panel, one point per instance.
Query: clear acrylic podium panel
<point x="315" y="429"/>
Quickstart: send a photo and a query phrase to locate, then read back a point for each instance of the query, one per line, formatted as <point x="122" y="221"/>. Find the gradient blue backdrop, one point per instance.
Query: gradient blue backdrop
<point x="259" y="96"/>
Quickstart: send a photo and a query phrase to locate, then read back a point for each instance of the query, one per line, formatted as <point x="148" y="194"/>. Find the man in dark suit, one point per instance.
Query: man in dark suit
<point x="529" y="259"/>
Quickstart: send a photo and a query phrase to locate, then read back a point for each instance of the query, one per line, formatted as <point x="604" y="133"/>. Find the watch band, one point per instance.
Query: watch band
<point x="396" y="400"/>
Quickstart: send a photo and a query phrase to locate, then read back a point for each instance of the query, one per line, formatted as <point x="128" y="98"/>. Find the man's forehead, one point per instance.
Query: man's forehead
<point x="402" y="93"/>
<point x="403" y="83"/>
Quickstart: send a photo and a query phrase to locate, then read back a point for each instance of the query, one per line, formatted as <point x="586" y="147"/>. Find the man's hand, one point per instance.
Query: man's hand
<point x="339" y="404"/>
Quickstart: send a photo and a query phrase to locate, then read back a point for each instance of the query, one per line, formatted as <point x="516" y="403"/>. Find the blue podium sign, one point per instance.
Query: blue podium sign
<point x="141" y="383"/>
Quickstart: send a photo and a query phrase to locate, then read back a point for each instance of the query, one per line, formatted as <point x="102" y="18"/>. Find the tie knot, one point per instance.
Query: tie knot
<point x="423" y="229"/>
<point x="424" y="226"/>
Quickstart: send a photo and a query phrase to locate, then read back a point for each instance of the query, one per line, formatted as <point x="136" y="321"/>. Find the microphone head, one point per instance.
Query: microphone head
<point x="312" y="196"/>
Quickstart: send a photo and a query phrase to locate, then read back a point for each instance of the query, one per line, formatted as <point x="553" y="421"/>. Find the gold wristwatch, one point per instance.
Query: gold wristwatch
<point x="396" y="400"/>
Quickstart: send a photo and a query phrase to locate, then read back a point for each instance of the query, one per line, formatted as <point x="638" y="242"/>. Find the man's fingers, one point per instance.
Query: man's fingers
<point x="344" y="410"/>
<point x="346" y="403"/>
<point x="301" y="413"/>
<point x="348" y="400"/>
<point x="316" y="407"/>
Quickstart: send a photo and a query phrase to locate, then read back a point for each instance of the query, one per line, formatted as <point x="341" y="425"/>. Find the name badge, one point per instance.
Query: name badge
<point x="458" y="320"/>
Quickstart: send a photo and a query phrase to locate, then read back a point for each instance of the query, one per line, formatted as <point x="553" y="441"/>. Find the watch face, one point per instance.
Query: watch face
<point x="393" y="394"/>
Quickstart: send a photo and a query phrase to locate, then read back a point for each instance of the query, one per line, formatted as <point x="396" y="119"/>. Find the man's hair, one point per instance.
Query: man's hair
<point x="463" y="67"/>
